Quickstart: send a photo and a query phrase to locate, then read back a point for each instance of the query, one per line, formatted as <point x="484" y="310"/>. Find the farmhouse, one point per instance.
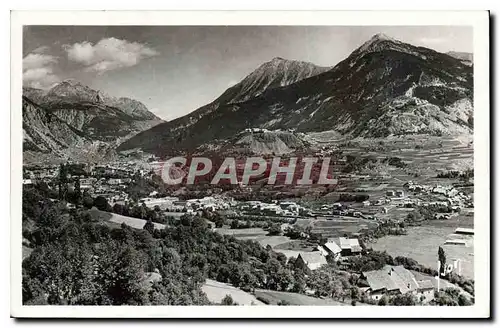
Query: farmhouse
<point x="426" y="290"/>
<point x="312" y="260"/>
<point x="394" y="280"/>
<point x="322" y="250"/>
<point x="333" y="249"/>
<point x="349" y="246"/>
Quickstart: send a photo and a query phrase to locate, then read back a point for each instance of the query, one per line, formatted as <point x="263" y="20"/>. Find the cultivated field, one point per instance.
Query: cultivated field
<point x="257" y="234"/>
<point x="338" y="226"/>
<point x="119" y="219"/>
<point x="274" y="297"/>
<point x="421" y="244"/>
<point x="216" y="291"/>
<point x="278" y="243"/>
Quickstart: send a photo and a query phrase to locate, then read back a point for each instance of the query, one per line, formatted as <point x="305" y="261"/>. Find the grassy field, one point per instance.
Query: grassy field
<point x="274" y="297"/>
<point x="257" y="234"/>
<point x="216" y="291"/>
<point x="421" y="244"/>
<point x="114" y="218"/>
<point x="278" y="243"/>
<point x="338" y="226"/>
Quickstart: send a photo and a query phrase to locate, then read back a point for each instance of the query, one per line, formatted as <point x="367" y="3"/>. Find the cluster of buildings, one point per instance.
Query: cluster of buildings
<point x="174" y="204"/>
<point x="338" y="248"/>
<point x="285" y="208"/>
<point x="255" y="130"/>
<point x="395" y="280"/>
<point x="39" y="174"/>
<point x="451" y="196"/>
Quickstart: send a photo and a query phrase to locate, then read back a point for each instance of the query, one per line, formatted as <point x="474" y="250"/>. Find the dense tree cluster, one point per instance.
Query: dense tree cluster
<point x="395" y="161"/>
<point x="451" y="297"/>
<point x="358" y="163"/>
<point x="79" y="260"/>
<point x="465" y="175"/>
<point x="353" y="197"/>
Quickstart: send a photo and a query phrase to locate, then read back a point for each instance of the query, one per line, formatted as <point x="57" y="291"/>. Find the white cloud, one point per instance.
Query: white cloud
<point x="41" y="50"/>
<point x="33" y="60"/>
<point x="38" y="71"/>
<point x="108" y="54"/>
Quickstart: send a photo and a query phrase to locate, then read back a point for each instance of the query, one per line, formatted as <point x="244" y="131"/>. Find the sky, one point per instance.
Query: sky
<point x="174" y="70"/>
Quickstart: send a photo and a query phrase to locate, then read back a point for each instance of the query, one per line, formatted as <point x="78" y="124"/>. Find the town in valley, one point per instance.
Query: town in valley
<point x="102" y="227"/>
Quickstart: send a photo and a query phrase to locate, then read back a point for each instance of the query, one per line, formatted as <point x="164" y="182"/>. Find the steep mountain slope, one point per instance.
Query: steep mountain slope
<point x="131" y="107"/>
<point x="384" y="87"/>
<point x="74" y="121"/>
<point x="95" y="115"/>
<point x="274" y="74"/>
<point x="44" y="132"/>
<point x="46" y="138"/>
<point x="257" y="141"/>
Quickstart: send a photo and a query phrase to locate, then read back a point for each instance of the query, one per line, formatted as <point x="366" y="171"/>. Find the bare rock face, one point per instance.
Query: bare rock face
<point x="384" y="87"/>
<point x="71" y="115"/>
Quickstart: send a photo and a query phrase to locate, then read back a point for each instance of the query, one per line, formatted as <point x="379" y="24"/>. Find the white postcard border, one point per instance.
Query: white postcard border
<point x="478" y="19"/>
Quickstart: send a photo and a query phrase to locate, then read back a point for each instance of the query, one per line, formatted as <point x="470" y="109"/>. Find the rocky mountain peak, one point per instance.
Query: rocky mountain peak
<point x="382" y="42"/>
<point x="277" y="72"/>
<point x="378" y="42"/>
<point x="278" y="59"/>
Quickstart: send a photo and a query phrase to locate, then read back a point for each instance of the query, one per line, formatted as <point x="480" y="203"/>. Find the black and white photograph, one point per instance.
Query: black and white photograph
<point x="250" y="168"/>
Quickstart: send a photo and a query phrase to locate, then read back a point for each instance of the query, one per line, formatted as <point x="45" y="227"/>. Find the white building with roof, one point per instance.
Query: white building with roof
<point x="312" y="260"/>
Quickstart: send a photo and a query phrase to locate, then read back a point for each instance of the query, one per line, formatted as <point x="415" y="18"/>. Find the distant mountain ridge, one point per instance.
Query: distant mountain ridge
<point x="71" y="91"/>
<point x="383" y="87"/>
<point x="466" y="57"/>
<point x="79" y="115"/>
<point x="276" y="73"/>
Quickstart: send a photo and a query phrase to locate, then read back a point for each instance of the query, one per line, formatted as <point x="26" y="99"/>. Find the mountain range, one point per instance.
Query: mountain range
<point x="384" y="87"/>
<point x="71" y="119"/>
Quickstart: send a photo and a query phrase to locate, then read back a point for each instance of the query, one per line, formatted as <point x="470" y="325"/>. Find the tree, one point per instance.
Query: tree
<point x="219" y="221"/>
<point x="403" y="300"/>
<point x="234" y="224"/>
<point x="149" y="227"/>
<point x="87" y="200"/>
<point x="354" y="293"/>
<point x="63" y="182"/>
<point x="442" y="260"/>
<point x="275" y="230"/>
<point x="463" y="300"/>
<point x="118" y="209"/>
<point x="228" y="300"/>
<point x="382" y="301"/>
<point x="77" y="193"/>
<point x="101" y="203"/>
